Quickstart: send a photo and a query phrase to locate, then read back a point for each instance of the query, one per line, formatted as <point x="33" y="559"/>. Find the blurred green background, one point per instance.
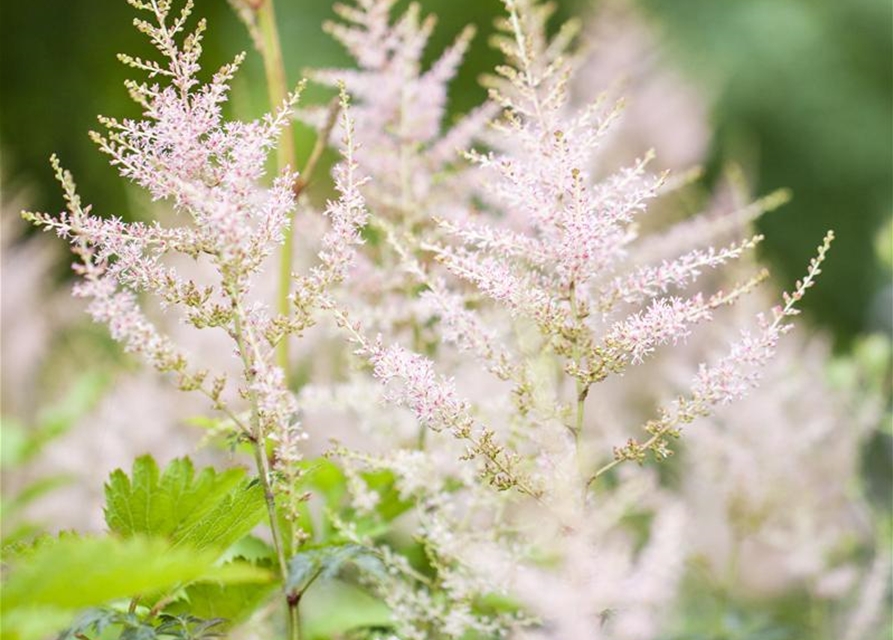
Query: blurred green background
<point x="802" y="99"/>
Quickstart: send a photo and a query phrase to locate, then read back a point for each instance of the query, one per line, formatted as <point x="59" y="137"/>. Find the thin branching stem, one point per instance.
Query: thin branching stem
<point x="247" y="351"/>
<point x="277" y="91"/>
<point x="322" y="141"/>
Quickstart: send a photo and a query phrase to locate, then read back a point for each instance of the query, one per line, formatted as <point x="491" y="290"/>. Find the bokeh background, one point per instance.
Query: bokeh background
<point x="799" y="95"/>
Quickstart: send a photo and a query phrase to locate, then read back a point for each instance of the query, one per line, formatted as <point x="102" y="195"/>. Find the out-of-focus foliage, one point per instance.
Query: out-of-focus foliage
<point x="52" y="579"/>
<point x="804" y="98"/>
<point x="21" y="442"/>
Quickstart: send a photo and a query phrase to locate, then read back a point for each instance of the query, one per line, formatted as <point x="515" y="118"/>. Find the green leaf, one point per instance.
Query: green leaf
<point x="334" y="608"/>
<point x="73" y="573"/>
<point x="33" y="623"/>
<point x="188" y="627"/>
<point x="250" y="548"/>
<point x="232" y="602"/>
<point x="206" y="510"/>
<point x="325" y="562"/>
<point x="389" y="505"/>
<point x="133" y="626"/>
<point x="97" y="620"/>
<point x="230" y="519"/>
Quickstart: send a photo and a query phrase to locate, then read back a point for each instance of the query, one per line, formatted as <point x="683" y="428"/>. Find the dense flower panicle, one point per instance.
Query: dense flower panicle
<point x="667" y="320"/>
<point x="541" y="165"/>
<point x="184" y="151"/>
<point x="127" y="324"/>
<point x="500" y="241"/>
<point x="730" y="378"/>
<point x="347" y="215"/>
<point x="518" y="291"/>
<point x="276" y="405"/>
<point x="412" y="158"/>
<point x="412" y="382"/>
<point x="400" y="107"/>
<point x="100" y="283"/>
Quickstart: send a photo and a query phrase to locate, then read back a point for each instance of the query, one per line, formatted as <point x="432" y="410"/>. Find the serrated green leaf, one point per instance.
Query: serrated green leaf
<point x="73" y="573"/>
<point x="127" y="625"/>
<point x="206" y="510"/>
<point x="189" y="627"/>
<point x="139" y="632"/>
<point x="234" y="515"/>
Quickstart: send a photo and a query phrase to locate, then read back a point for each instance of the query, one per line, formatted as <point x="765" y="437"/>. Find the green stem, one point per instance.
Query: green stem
<point x="277" y="91"/>
<point x="244" y="341"/>
<point x="602" y="471"/>
<point x="260" y="456"/>
<point x="294" y="616"/>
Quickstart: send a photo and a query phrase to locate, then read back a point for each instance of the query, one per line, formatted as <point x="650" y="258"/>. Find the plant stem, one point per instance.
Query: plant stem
<point x="243" y="336"/>
<point x="277" y="91"/>
<point x="580" y="388"/>
<point x="294" y="616"/>
<point x="595" y="476"/>
<point x="260" y="456"/>
<point x="322" y="141"/>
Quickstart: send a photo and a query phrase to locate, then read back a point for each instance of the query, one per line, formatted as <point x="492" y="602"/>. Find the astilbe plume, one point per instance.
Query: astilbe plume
<point x="412" y="156"/>
<point x="552" y="248"/>
<point x="400" y="106"/>
<point x="768" y="481"/>
<point x="183" y="151"/>
<point x="567" y="253"/>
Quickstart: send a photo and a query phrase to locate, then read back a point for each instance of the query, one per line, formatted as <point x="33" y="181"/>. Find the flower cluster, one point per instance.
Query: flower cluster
<point x="211" y="170"/>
